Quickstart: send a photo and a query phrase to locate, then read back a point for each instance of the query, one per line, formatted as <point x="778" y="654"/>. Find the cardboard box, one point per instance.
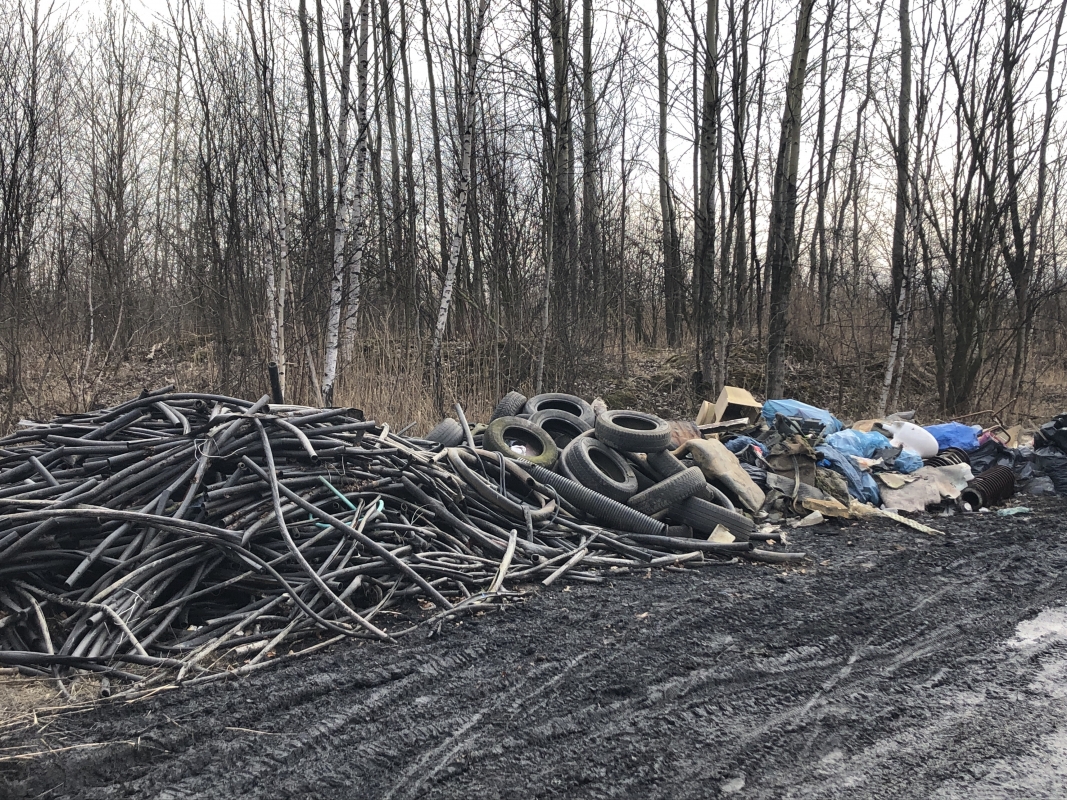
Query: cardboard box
<point x="735" y="403"/>
<point x="706" y="415"/>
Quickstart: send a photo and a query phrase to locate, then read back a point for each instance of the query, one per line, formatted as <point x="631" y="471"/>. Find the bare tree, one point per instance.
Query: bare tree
<point x="705" y="309"/>
<point x="470" y="104"/>
<point x="345" y="205"/>
<point x="781" y="233"/>
<point x="274" y="189"/>
<point x="673" y="288"/>
<point x="901" y="148"/>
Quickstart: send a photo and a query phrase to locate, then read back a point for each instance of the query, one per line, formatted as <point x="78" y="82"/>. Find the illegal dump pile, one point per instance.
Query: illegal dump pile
<point x="161" y="539"/>
<point x="808" y="461"/>
<point x="181" y="538"/>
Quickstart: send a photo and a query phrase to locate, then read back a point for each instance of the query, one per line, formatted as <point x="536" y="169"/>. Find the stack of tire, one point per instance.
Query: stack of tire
<point x="615" y="467"/>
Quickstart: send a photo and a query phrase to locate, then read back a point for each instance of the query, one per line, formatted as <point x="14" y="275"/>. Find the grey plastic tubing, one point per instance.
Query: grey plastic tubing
<point x="603" y="508"/>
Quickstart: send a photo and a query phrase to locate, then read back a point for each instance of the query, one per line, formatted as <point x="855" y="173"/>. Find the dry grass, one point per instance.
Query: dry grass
<point x="388" y="378"/>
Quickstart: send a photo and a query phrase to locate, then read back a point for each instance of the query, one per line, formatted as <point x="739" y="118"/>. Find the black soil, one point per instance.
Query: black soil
<point x="890" y="665"/>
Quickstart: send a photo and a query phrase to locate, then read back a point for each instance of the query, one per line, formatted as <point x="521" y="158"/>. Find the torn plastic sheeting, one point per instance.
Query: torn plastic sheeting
<point x="928" y="487"/>
<point x="860" y="484"/>
<point x="858" y="443"/>
<point x="758" y="475"/>
<point x="794" y="408"/>
<point x="954" y="434"/>
<point x="993" y="454"/>
<point x="1040" y="486"/>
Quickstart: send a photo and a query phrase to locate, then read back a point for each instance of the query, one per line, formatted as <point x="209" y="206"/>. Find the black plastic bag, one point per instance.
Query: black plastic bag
<point x="1053" y="463"/>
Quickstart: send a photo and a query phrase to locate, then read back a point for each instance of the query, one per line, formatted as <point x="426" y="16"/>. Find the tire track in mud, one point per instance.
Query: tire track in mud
<point x="881" y="671"/>
<point x="438" y="757"/>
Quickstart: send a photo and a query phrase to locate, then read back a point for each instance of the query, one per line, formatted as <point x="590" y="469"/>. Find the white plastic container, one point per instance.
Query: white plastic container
<point x="911" y="437"/>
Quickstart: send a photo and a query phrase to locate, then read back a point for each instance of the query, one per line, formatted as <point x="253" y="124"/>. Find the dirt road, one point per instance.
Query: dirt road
<point x="895" y="664"/>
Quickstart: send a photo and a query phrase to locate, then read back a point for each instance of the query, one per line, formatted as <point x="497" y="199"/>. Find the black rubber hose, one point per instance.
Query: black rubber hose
<point x="678" y="544"/>
<point x="275" y="383"/>
<point x="366" y="541"/>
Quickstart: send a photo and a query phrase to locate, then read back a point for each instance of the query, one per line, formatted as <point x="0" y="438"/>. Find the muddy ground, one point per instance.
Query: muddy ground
<point x="895" y="664"/>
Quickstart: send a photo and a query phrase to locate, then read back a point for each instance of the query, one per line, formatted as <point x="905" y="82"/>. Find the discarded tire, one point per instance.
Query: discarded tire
<point x="713" y="494"/>
<point x="665" y="464"/>
<point x="562" y="468"/>
<point x="447" y="432"/>
<point x="561" y="402"/>
<point x="510" y="404"/>
<point x="666" y="493"/>
<point x="562" y="426"/>
<point x="519" y="438"/>
<point x="704" y="516"/>
<point x="633" y="431"/>
<point x="600" y="468"/>
<point x="646" y="479"/>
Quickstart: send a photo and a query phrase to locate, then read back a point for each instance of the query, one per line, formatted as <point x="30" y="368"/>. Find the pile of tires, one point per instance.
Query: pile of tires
<point x="615" y="468"/>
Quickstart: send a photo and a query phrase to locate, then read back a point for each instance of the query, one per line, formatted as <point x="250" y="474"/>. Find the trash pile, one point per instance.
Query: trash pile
<point x="184" y="537"/>
<point x="809" y="463"/>
<point x="769" y="462"/>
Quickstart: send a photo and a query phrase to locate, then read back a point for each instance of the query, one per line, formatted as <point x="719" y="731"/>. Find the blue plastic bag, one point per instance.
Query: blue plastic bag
<point x="861" y="484"/>
<point x="794" y="408"/>
<point x="907" y="462"/>
<point x="954" y="434"/>
<point x="857" y="443"/>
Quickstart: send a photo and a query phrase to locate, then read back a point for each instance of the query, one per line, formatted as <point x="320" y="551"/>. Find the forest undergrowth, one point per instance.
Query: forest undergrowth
<point x="390" y="379"/>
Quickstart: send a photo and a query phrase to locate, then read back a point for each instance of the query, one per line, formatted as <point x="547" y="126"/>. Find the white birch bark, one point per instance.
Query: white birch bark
<point x="341" y="218"/>
<point x="355" y="212"/>
<point x="461" y="196"/>
<point x="900" y="260"/>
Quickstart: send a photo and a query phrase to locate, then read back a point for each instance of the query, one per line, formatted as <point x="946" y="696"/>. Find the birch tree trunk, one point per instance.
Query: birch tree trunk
<point x="462" y="193"/>
<point x="341" y="219"/>
<point x="356" y="222"/>
<point x="899" y="260"/>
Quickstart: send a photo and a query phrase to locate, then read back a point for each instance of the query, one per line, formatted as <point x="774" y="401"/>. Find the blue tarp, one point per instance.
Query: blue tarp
<point x="954" y="434"/>
<point x="857" y="443"/>
<point x="861" y="484"/>
<point x="794" y="408"/>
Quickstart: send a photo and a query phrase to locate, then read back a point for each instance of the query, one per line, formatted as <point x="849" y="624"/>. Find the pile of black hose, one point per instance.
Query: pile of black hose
<point x="160" y="540"/>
